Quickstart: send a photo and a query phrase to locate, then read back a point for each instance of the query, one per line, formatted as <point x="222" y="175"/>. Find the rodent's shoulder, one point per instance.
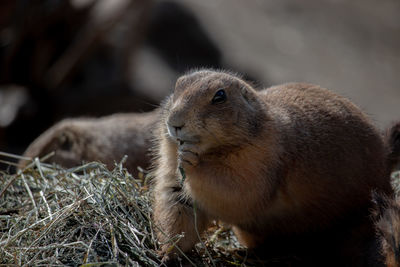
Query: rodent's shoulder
<point x="299" y="92"/>
<point x="309" y="99"/>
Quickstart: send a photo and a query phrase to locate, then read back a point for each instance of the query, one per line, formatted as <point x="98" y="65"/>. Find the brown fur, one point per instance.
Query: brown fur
<point x="387" y="215"/>
<point x="392" y="139"/>
<point x="105" y="139"/>
<point x="386" y="212"/>
<point x="290" y="167"/>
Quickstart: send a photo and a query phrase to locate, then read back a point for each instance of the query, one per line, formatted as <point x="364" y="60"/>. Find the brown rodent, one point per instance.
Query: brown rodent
<point x="105" y="139"/>
<point x="291" y="167"/>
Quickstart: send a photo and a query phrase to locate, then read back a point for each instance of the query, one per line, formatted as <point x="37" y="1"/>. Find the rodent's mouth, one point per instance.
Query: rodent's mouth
<point x="181" y="136"/>
<point x="186" y="141"/>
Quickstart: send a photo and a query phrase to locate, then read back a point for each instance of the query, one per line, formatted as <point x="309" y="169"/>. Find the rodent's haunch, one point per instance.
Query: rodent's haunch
<point x="288" y="166"/>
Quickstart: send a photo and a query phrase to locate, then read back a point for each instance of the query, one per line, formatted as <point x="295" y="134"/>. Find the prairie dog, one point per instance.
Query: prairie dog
<point x="294" y="161"/>
<point x="106" y="139"/>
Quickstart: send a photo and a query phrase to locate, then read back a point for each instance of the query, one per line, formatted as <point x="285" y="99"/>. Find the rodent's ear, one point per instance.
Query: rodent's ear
<point x="250" y="98"/>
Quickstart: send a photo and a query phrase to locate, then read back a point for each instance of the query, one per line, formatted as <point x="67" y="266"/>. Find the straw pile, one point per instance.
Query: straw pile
<point x="91" y="216"/>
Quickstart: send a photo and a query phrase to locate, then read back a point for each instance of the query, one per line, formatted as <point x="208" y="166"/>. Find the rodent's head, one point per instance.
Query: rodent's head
<point x="214" y="109"/>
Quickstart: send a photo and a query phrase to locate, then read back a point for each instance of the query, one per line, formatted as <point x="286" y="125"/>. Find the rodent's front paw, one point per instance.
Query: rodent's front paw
<point x="188" y="159"/>
<point x="188" y="155"/>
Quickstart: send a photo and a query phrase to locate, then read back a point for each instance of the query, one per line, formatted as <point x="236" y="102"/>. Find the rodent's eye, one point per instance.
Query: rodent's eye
<point x="219" y="97"/>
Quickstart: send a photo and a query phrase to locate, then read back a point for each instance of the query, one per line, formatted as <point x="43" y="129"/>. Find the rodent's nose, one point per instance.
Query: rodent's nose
<point x="176" y="120"/>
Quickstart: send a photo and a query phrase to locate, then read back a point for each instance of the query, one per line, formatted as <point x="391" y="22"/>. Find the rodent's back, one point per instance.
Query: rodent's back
<point x="319" y="124"/>
<point x="332" y="152"/>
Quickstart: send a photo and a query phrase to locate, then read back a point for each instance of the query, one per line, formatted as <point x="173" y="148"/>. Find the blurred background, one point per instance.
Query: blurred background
<point x="70" y="58"/>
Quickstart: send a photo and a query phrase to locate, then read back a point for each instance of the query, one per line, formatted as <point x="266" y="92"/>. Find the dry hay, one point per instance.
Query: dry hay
<point x="91" y="216"/>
